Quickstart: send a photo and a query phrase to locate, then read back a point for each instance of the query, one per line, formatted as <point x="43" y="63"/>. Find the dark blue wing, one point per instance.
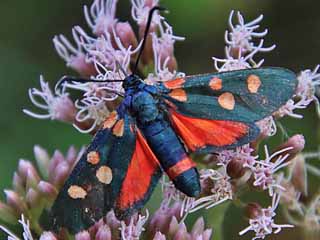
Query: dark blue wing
<point x="94" y="184"/>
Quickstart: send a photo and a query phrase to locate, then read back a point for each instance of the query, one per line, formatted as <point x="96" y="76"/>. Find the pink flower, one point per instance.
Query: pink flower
<point x="263" y="170"/>
<point x="57" y="107"/>
<point x="101" y="16"/>
<point x="133" y="230"/>
<point x="308" y="81"/>
<point x="47" y="236"/>
<point x="140" y="11"/>
<point x="240" y="48"/>
<point x="216" y="189"/>
<point x="242" y="154"/>
<point x="242" y="34"/>
<point x="267" y="127"/>
<point x="164" y="60"/>
<point x="263" y="223"/>
<point x="75" y="57"/>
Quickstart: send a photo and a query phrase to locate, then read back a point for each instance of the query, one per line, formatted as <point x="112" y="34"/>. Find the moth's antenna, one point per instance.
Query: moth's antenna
<point x="67" y="79"/>
<point x="146" y="33"/>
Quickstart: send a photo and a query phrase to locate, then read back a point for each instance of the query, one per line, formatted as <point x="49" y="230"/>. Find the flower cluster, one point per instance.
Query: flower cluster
<point x="35" y="188"/>
<point x="241" y="48"/>
<point x="108" y="53"/>
<point x="261" y="219"/>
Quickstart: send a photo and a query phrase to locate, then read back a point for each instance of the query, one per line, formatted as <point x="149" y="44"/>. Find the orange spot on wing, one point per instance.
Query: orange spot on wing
<point x="138" y="177"/>
<point x="104" y="174"/>
<point x="179" y="94"/>
<point x="93" y="157"/>
<point x="175" y="83"/>
<point x="215" y="83"/>
<point x="111" y="120"/>
<point x="199" y="133"/>
<point x="254" y="83"/>
<point x="118" y="129"/>
<point x="227" y="101"/>
<point x="180" y="167"/>
<point x="76" y="192"/>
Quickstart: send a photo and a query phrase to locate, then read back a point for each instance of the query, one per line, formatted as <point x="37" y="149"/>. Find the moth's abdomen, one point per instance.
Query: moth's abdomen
<point x="165" y="144"/>
<point x="185" y="177"/>
<point x="173" y="157"/>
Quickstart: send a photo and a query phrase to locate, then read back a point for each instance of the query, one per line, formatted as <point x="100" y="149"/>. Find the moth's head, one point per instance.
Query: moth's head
<point x="131" y="81"/>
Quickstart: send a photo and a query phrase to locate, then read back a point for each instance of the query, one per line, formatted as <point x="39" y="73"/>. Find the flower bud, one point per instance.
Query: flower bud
<point x="175" y="210"/>
<point x="159" y="222"/>
<point x="235" y="168"/>
<point x="159" y="236"/>
<point x="206" y="186"/>
<point x="55" y="160"/>
<point x="80" y="64"/>
<point x="290" y="197"/>
<point x="206" y="235"/>
<point x="182" y="232"/>
<point x="253" y="210"/>
<point x="147" y="55"/>
<point x="149" y="3"/>
<point x="23" y="167"/>
<point x="32" y="179"/>
<point x="42" y="157"/>
<point x="125" y="33"/>
<point x="173" y="226"/>
<point x="84" y="235"/>
<point x="112" y="221"/>
<point x="15" y="202"/>
<point x="64" y="109"/>
<point x="47" y="236"/>
<point x="299" y="175"/>
<point x="104" y="233"/>
<point x="71" y="155"/>
<point x="33" y="198"/>
<point x="267" y="129"/>
<point x="47" y="190"/>
<point x="18" y="184"/>
<point x="94" y="228"/>
<point x="198" y="227"/>
<point x="172" y="64"/>
<point x="236" y="53"/>
<point x="296" y="143"/>
<point x="166" y="53"/>
<point x="61" y="174"/>
<point x="7" y="214"/>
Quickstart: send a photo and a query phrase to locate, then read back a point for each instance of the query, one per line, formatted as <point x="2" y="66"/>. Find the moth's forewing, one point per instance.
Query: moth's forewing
<point x="94" y="184"/>
<point x="243" y="95"/>
<point x="211" y="112"/>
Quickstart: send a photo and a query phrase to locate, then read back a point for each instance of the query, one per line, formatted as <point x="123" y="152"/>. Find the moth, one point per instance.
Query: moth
<point x="154" y="130"/>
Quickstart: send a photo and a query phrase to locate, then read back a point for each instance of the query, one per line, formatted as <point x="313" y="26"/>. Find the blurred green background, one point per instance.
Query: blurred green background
<point x="26" y="51"/>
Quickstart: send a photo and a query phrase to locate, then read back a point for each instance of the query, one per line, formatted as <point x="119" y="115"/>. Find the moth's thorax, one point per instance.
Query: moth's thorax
<point x="131" y="82"/>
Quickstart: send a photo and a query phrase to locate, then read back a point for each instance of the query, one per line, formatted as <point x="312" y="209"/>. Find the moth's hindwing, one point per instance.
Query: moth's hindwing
<point x="141" y="178"/>
<point x="207" y="136"/>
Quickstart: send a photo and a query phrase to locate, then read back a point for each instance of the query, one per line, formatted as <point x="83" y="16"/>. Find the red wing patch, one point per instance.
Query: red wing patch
<point x="138" y="178"/>
<point x="199" y="133"/>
